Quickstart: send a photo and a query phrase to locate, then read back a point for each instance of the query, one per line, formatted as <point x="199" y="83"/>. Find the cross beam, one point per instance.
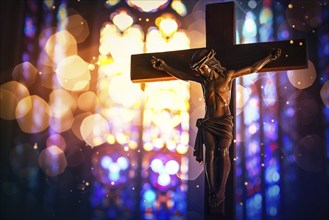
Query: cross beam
<point x="220" y="35"/>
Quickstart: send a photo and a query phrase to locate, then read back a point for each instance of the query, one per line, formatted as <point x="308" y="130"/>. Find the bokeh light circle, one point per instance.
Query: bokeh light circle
<point x="87" y="101"/>
<point x="77" y="26"/>
<point x="57" y="140"/>
<point x="309" y="153"/>
<point x="61" y="123"/>
<point x="61" y="102"/>
<point x="10" y="94"/>
<point x="32" y="114"/>
<point x="302" y="78"/>
<point x="73" y="73"/>
<point x="112" y="168"/>
<point x="324" y="92"/>
<point x="94" y="130"/>
<point x="52" y="161"/>
<point x="25" y="73"/>
<point x="77" y="124"/>
<point x="59" y="46"/>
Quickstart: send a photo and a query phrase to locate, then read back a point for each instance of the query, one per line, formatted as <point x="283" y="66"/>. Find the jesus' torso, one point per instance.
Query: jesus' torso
<point x="217" y="96"/>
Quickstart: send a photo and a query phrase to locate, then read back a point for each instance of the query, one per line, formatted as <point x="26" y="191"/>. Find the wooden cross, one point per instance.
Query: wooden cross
<point x="220" y="35"/>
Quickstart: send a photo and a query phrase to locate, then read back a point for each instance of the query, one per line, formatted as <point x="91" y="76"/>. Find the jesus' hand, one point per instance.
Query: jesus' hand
<point x="275" y="54"/>
<point x="158" y="64"/>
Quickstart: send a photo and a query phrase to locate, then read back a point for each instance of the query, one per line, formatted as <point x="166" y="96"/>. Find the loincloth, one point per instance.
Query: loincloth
<point x="220" y="127"/>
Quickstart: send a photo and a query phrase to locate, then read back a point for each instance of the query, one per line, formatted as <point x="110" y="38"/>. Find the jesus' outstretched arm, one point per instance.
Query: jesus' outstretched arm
<point x="160" y="64"/>
<point x="275" y="54"/>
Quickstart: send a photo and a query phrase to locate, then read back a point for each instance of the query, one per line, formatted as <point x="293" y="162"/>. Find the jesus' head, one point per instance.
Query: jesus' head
<point x="204" y="61"/>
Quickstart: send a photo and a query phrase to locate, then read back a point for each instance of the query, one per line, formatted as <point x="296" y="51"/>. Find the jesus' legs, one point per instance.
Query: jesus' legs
<point x="217" y="165"/>
<point x="210" y="161"/>
<point x="223" y="167"/>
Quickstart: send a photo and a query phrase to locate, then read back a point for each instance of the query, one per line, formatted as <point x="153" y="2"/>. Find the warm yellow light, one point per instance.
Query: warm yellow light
<point x="61" y="45"/>
<point x="122" y="20"/>
<point x="168" y="26"/>
<point x="111" y="3"/>
<point x="87" y="101"/>
<point x="179" y="7"/>
<point x="182" y="149"/>
<point x="158" y="143"/>
<point x="148" y="146"/>
<point x="60" y="102"/>
<point x="121" y="138"/>
<point x="123" y="91"/>
<point x="77" y="26"/>
<point x="147" y="6"/>
<point x="94" y="130"/>
<point x="156" y="41"/>
<point x="77" y="124"/>
<point x="32" y="114"/>
<point x="10" y="94"/>
<point x="110" y="139"/>
<point x="133" y="145"/>
<point x="73" y="73"/>
<point x="242" y="96"/>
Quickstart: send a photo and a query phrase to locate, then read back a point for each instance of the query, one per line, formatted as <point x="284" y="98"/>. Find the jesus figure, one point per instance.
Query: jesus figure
<point x="215" y="130"/>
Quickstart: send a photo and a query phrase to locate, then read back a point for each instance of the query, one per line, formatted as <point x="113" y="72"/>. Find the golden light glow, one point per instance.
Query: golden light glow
<point x="165" y="110"/>
<point x="60" y="102"/>
<point x="123" y="91"/>
<point x="77" y="26"/>
<point x="25" y="73"/>
<point x="167" y="25"/>
<point x="179" y="7"/>
<point x="182" y="149"/>
<point x="121" y="138"/>
<point x="77" y="124"/>
<point x="121" y="46"/>
<point x="156" y="42"/>
<point x="73" y="73"/>
<point x="110" y="139"/>
<point x="242" y="96"/>
<point x="60" y="45"/>
<point x="10" y="94"/>
<point x="122" y="20"/>
<point x="148" y="146"/>
<point x="110" y="3"/>
<point x="32" y="114"/>
<point x="87" y="101"/>
<point x="147" y="6"/>
<point x="94" y="130"/>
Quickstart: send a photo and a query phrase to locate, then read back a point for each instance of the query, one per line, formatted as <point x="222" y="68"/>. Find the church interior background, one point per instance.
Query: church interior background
<point x="79" y="140"/>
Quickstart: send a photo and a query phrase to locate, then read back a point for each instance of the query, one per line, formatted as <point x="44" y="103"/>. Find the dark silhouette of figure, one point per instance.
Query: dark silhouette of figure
<point x="215" y="130"/>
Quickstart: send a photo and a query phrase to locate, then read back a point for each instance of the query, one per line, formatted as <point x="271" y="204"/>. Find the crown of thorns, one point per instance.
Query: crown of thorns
<point x="204" y="60"/>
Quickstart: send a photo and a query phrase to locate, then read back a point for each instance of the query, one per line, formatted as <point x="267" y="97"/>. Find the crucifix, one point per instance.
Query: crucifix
<point x="246" y="58"/>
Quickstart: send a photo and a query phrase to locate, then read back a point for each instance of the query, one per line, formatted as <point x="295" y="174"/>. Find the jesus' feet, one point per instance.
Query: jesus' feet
<point x="216" y="206"/>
